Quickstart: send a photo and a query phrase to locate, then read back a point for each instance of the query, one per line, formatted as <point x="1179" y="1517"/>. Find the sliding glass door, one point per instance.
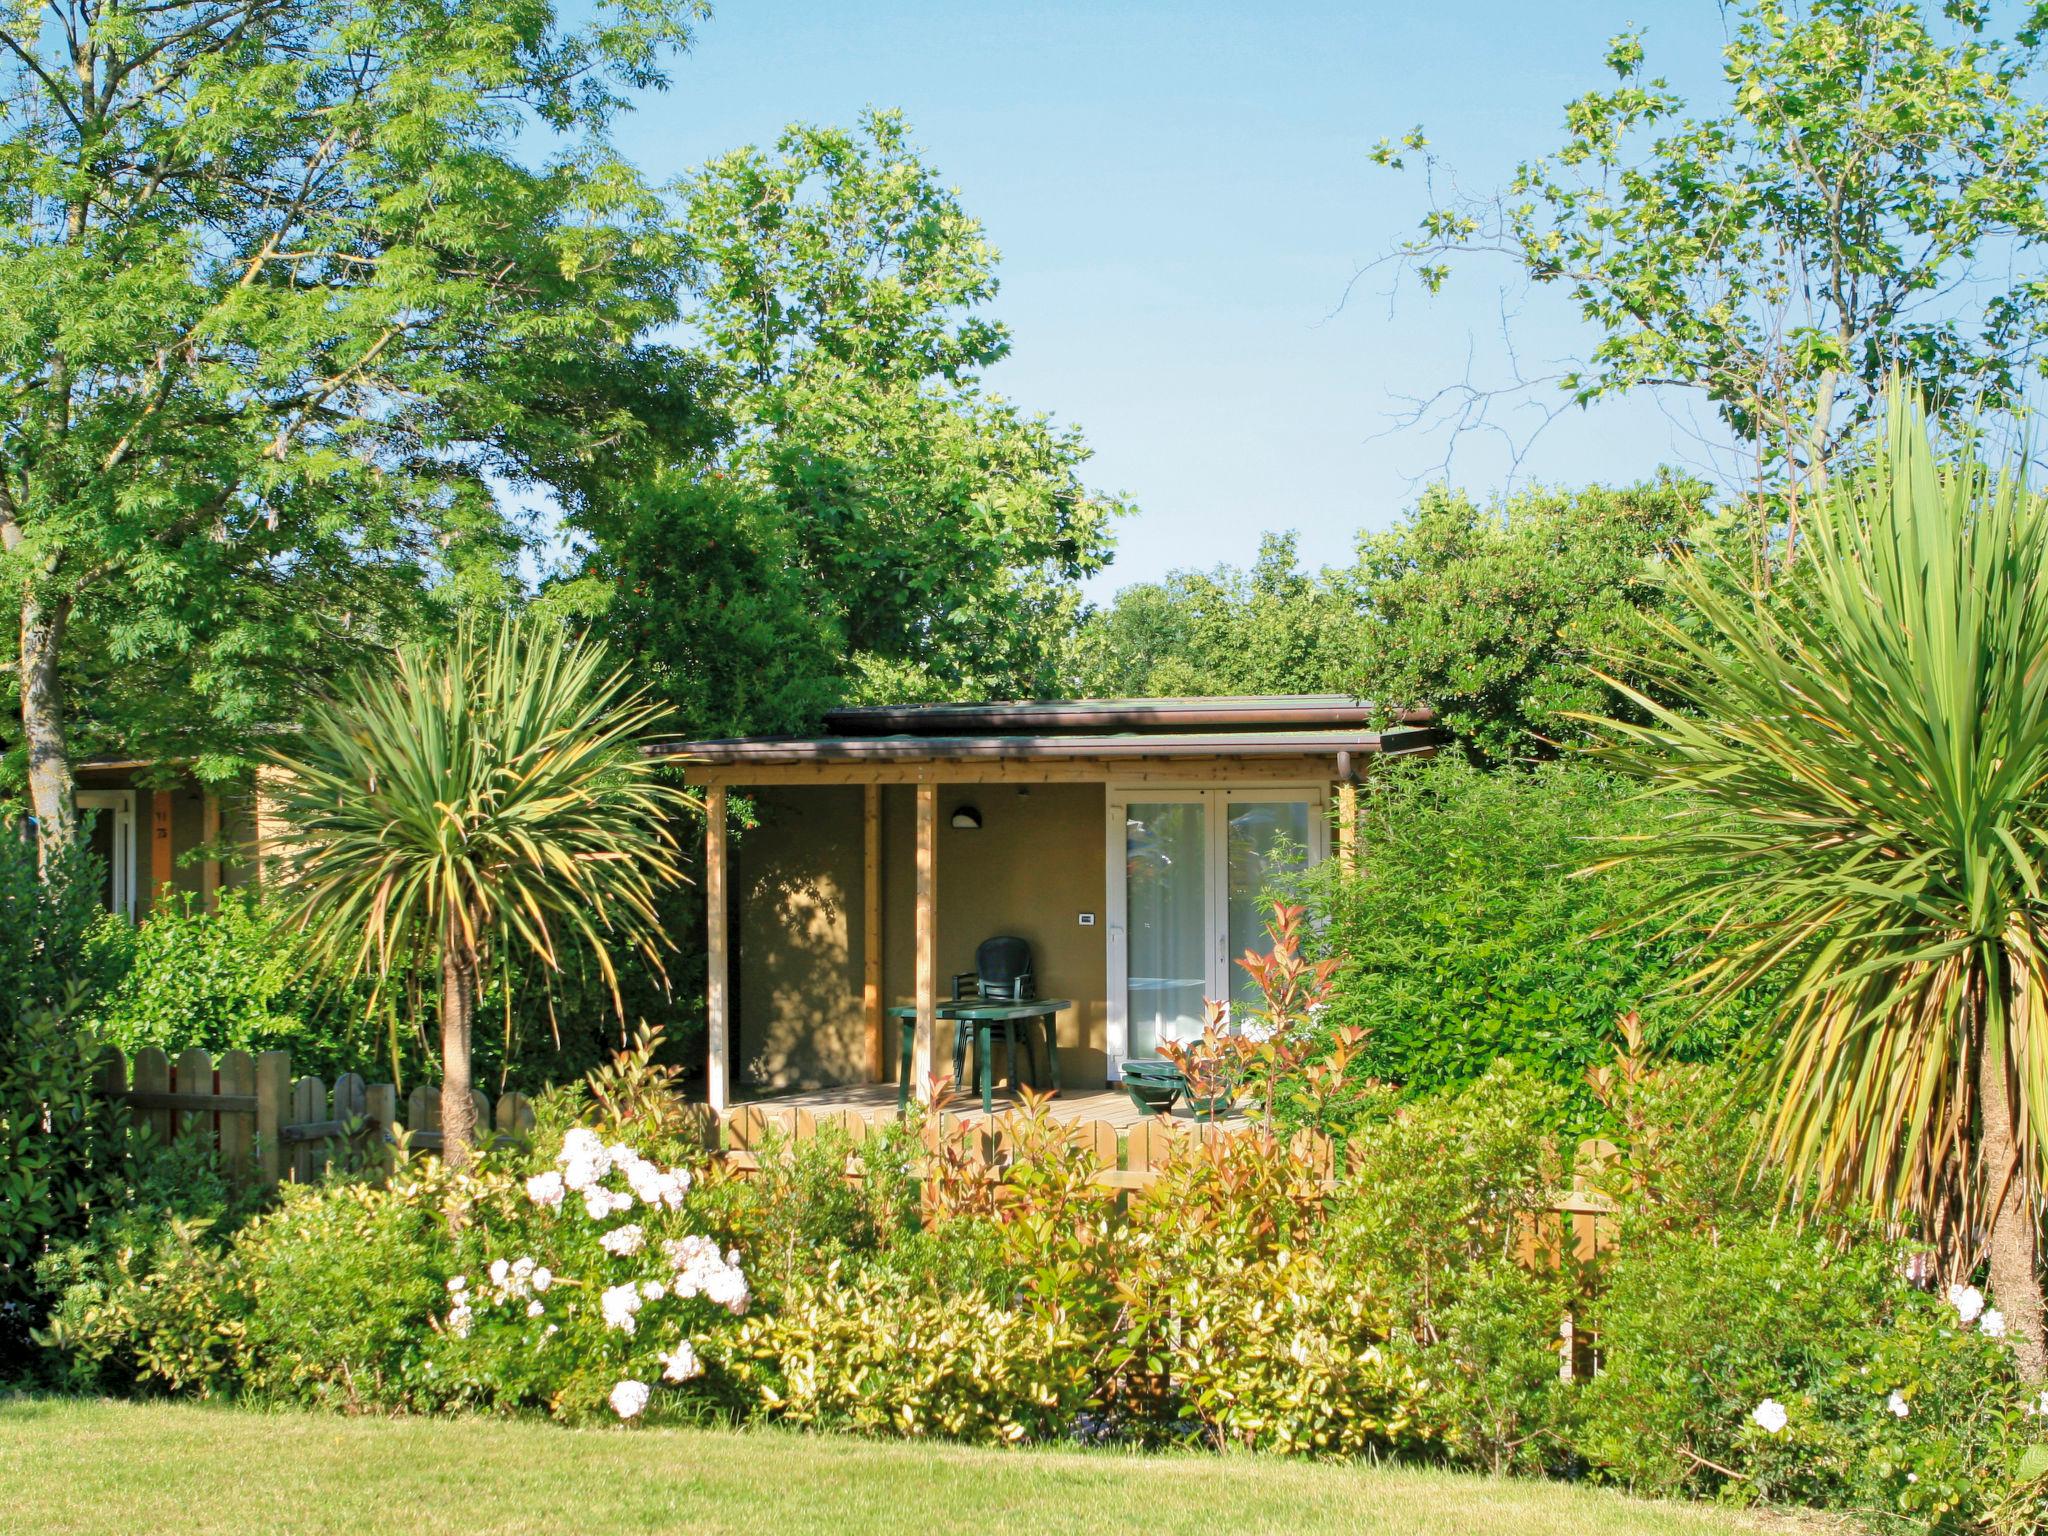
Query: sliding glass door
<point x="1188" y="869"/>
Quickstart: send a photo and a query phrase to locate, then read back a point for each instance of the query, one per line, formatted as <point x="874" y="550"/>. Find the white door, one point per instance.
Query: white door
<point x="113" y="839"/>
<point x="1187" y="869"/>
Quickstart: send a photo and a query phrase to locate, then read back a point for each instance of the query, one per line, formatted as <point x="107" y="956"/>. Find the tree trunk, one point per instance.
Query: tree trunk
<point x="2010" y="1235"/>
<point x="52" y="794"/>
<point x="458" y="1008"/>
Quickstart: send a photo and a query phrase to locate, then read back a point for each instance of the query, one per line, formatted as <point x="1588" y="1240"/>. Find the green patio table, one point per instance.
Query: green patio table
<point x="983" y="1018"/>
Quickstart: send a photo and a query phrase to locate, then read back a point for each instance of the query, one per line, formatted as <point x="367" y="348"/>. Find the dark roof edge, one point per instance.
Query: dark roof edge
<point x="898" y="749"/>
<point x="1086" y="715"/>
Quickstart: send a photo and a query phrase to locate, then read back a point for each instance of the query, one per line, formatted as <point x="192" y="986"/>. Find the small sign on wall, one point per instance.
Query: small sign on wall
<point x="1087" y="919"/>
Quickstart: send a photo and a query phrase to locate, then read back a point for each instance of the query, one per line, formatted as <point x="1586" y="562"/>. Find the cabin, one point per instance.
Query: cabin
<point x="155" y="827"/>
<point x="1126" y="842"/>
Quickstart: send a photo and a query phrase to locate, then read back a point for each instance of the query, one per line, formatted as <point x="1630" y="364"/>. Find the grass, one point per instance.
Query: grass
<point x="81" y="1468"/>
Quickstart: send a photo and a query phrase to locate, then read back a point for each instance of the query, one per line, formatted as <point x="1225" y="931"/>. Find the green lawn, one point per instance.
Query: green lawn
<point x="91" y="1468"/>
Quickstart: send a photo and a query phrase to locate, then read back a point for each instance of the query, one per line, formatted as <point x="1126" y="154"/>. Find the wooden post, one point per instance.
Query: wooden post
<point x="1347" y="828"/>
<point x="715" y="992"/>
<point x="273" y="1099"/>
<point x="927" y="934"/>
<point x="159" y="844"/>
<point x="871" y="931"/>
<point x="209" y="867"/>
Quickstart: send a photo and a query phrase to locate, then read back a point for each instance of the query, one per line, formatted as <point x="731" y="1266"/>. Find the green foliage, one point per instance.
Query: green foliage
<point x="283" y="297"/>
<point x="337" y="1289"/>
<point x="61" y="1144"/>
<point x="1432" y="1219"/>
<point x="1467" y="939"/>
<point x="145" y="1299"/>
<point x="1492" y="615"/>
<point x="232" y="980"/>
<point x="874" y="1354"/>
<point x="1270" y="629"/>
<point x="874" y="523"/>
<point x="1866" y="200"/>
<point x="1700" y="1327"/>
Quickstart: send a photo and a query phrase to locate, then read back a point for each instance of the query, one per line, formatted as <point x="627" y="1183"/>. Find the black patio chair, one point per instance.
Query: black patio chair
<point x="1003" y="973"/>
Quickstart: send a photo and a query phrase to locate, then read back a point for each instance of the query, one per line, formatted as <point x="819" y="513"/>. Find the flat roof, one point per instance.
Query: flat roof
<point x="762" y="750"/>
<point x="1302" y="711"/>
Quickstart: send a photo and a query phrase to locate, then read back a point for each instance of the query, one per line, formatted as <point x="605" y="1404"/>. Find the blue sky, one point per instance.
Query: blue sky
<point x="1181" y="193"/>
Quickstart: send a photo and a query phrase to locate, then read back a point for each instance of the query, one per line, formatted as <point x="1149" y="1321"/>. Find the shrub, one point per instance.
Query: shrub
<point x="62" y="1146"/>
<point x="1878" y="1380"/>
<point x="1466" y="940"/>
<point x="871" y="1351"/>
<point x="147" y="1299"/>
<point x="1441" y="1203"/>
<point x="339" y="1287"/>
<point x="231" y="980"/>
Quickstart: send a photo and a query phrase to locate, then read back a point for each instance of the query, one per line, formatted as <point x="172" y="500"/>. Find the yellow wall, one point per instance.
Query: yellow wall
<point x="1034" y="865"/>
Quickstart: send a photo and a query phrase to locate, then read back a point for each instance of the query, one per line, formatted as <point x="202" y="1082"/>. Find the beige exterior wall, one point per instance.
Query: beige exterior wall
<point x="795" y="910"/>
<point x="1031" y="869"/>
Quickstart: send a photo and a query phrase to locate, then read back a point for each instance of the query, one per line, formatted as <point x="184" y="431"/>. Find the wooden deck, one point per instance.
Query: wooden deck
<point x="872" y="1101"/>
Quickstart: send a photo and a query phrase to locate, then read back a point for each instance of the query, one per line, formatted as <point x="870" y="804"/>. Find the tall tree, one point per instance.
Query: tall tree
<point x="278" y="299"/>
<point x="1860" y="776"/>
<point x="1867" y="200"/>
<point x="872" y="510"/>
<point x="1490" y="613"/>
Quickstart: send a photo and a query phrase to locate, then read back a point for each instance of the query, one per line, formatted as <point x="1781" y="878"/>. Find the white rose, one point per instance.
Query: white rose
<point x="1770" y="1416"/>
<point x="628" y="1398"/>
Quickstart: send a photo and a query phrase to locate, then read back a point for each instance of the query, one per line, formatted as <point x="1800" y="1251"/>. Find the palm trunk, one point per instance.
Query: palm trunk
<point x="2011" y="1238"/>
<point x="458" y="1009"/>
<point x="52" y="794"/>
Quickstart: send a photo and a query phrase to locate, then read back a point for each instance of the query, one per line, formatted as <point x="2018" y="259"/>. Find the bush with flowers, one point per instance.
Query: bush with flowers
<point x="1750" y="1356"/>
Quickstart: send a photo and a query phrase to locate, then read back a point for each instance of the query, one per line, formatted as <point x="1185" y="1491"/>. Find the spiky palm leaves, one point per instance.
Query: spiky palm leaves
<point x="1870" y="747"/>
<point x="471" y="800"/>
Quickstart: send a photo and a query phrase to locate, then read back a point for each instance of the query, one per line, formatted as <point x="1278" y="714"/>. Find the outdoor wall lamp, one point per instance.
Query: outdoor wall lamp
<point x="968" y="818"/>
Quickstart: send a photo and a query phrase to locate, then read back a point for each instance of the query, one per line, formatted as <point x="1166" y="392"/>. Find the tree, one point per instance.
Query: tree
<point x="1490" y="614"/>
<point x="1271" y="629"/>
<point x="1869" y="201"/>
<point x="1860" y="779"/>
<point x="278" y="301"/>
<point x="871" y="512"/>
<point x="476" y="802"/>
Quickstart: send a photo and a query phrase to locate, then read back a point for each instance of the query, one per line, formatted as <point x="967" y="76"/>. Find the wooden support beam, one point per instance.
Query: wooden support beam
<point x="209" y="867"/>
<point x="871" y="932"/>
<point x="927" y="935"/>
<point x="1347" y="828"/>
<point x="716" y="994"/>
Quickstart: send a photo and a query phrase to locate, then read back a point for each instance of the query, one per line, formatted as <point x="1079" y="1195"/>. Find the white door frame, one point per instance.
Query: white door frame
<point x="1215" y="799"/>
<point x="121" y="870"/>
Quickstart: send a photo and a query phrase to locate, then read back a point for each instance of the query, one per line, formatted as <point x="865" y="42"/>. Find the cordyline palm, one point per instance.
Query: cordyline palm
<point x="470" y="801"/>
<point x="1864" y="762"/>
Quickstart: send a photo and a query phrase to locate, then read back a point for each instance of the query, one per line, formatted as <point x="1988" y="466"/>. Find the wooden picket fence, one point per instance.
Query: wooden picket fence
<point x="272" y="1127"/>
